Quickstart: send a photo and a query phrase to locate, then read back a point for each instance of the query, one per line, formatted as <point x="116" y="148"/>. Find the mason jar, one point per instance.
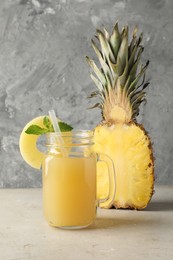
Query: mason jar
<point x="70" y="179"/>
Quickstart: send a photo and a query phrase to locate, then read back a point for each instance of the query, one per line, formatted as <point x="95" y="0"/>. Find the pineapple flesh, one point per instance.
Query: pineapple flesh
<point x="121" y="88"/>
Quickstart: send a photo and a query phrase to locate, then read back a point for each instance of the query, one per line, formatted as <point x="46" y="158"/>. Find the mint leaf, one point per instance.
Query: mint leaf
<point x="64" y="127"/>
<point x="36" y="130"/>
<point x="46" y="122"/>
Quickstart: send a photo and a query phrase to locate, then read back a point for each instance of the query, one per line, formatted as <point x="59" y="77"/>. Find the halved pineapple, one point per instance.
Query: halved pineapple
<point x="121" y="82"/>
<point x="28" y="144"/>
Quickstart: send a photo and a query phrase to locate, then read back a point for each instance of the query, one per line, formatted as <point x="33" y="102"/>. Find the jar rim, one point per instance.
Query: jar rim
<point x="75" y="137"/>
<point x="77" y="132"/>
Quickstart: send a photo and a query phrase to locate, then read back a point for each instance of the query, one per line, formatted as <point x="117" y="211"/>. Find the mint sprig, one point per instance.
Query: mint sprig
<point x="37" y="130"/>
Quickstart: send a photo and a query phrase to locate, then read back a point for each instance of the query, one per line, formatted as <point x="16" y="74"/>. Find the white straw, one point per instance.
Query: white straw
<point x="57" y="130"/>
<point x="54" y="121"/>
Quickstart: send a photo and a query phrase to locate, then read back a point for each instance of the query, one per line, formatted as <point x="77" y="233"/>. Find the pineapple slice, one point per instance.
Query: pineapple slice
<point x="28" y="145"/>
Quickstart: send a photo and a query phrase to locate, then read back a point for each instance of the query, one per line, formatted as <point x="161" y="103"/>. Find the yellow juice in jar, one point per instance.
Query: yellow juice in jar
<point x="69" y="190"/>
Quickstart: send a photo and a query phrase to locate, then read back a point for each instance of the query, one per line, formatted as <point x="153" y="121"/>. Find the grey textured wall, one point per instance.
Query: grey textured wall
<point x="42" y="65"/>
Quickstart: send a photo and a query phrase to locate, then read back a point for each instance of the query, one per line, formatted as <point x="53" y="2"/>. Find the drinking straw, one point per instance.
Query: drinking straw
<point x="57" y="130"/>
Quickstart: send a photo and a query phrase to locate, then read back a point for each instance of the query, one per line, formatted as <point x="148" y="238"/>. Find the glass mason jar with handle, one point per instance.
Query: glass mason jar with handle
<point x="69" y="179"/>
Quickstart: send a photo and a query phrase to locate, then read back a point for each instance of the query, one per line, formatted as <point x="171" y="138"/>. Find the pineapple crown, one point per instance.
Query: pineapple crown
<point x="121" y="78"/>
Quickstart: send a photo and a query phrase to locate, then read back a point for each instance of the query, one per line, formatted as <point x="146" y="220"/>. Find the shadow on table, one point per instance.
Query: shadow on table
<point x="107" y="222"/>
<point x="160" y="206"/>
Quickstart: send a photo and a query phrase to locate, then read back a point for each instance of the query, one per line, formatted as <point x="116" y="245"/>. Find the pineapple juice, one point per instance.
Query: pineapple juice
<point x="69" y="190"/>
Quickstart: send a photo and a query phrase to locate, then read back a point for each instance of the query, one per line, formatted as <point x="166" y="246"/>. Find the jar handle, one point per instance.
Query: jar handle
<point x="107" y="202"/>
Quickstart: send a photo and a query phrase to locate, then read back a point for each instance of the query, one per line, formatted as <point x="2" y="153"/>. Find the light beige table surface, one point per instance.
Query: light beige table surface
<point x="116" y="234"/>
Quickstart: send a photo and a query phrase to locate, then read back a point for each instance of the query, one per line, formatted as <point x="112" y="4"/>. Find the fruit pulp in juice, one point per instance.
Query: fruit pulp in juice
<point x="69" y="191"/>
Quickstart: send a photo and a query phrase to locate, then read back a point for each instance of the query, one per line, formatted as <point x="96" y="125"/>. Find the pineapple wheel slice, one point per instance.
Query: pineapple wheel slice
<point x="28" y="145"/>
